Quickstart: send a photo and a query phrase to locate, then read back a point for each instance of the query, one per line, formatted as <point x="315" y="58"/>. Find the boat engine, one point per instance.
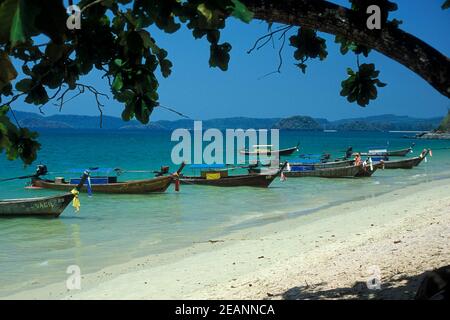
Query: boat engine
<point x="164" y="170"/>
<point x="41" y="170"/>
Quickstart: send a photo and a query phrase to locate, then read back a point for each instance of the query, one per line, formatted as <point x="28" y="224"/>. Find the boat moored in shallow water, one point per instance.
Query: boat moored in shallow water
<point x="110" y="184"/>
<point x="40" y="207"/>
<point x="406" y="163"/>
<point x="348" y="171"/>
<point x="217" y="175"/>
<point x="266" y="150"/>
<point x="382" y="151"/>
<point x="43" y="207"/>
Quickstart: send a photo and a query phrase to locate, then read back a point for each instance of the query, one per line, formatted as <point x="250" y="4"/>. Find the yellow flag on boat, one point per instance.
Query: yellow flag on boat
<point x="213" y="176"/>
<point x="76" y="200"/>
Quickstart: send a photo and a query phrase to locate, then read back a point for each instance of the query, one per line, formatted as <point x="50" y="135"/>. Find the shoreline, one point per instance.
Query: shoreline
<point x="321" y="255"/>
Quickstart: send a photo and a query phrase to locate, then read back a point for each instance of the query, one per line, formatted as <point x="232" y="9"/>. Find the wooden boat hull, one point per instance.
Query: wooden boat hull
<point x="282" y="152"/>
<point x="249" y="180"/>
<point x="403" y="164"/>
<point x="35" y="207"/>
<point x="364" y="171"/>
<point x="367" y="172"/>
<point x="158" y="184"/>
<point x="333" y="164"/>
<point x="399" y="153"/>
<point x="393" y="153"/>
<point x="333" y="172"/>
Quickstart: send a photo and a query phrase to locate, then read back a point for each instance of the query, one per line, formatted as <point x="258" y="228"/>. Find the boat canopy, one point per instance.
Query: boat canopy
<point x="303" y="160"/>
<point x="93" y="170"/>
<point x="208" y="166"/>
<point x="377" y="147"/>
<point x="310" y="155"/>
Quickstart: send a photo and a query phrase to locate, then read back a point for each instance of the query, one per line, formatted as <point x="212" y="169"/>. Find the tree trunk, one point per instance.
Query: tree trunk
<point x="392" y="42"/>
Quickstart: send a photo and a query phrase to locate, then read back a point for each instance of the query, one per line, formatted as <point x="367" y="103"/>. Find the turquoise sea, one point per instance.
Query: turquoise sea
<point x="114" y="229"/>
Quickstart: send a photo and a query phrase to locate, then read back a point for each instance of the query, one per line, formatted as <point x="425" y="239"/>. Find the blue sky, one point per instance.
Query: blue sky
<point x="203" y="93"/>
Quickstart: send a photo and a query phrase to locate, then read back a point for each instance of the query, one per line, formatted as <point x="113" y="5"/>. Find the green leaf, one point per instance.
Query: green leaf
<point x="24" y="85"/>
<point x="381" y="84"/>
<point x="127" y="113"/>
<point x="18" y="20"/>
<point x="205" y="11"/>
<point x="118" y="62"/>
<point x="308" y="45"/>
<point x="146" y="39"/>
<point x="166" y="66"/>
<point x="49" y="18"/>
<point x="54" y="51"/>
<point x="117" y="84"/>
<point x="302" y="67"/>
<point x="361" y="86"/>
<point x="241" y="12"/>
<point x="7" y="11"/>
<point x="125" y="96"/>
<point x="7" y="70"/>
<point x="219" y="56"/>
<point x="17" y="30"/>
<point x="134" y="42"/>
<point x="37" y="95"/>
<point x="17" y="142"/>
<point x="446" y="5"/>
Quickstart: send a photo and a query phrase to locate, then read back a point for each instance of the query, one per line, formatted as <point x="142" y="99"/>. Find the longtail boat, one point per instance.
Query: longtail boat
<point x="368" y="170"/>
<point x="331" y="164"/>
<point x="387" y="153"/>
<point x="330" y="172"/>
<point x="109" y="184"/>
<point x="406" y="163"/>
<point x="218" y="177"/>
<point x="39" y="207"/>
<point x="267" y="150"/>
<point x="303" y="164"/>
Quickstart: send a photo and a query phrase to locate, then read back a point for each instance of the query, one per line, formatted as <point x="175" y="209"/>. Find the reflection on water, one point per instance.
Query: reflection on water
<point x="114" y="229"/>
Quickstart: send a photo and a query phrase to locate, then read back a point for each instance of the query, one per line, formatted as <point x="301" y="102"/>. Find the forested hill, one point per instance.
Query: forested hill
<point x="445" y="124"/>
<point x="374" y="123"/>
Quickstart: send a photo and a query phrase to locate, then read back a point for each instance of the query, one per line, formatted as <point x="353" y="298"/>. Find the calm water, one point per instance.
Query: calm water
<point x="115" y="229"/>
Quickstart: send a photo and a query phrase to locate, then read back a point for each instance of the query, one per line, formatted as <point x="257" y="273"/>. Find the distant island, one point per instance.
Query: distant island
<point x="383" y="123"/>
<point x="299" y="123"/>
<point x="445" y="124"/>
<point x="441" y="133"/>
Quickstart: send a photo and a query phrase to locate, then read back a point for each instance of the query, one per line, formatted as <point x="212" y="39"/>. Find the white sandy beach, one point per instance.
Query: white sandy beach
<point x="326" y="254"/>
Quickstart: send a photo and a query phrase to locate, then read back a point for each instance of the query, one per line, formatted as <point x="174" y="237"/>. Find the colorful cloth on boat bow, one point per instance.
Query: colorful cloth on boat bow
<point x="89" y="186"/>
<point x="76" y="201"/>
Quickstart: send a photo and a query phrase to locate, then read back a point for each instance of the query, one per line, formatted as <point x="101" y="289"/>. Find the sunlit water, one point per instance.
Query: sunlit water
<point x="114" y="229"/>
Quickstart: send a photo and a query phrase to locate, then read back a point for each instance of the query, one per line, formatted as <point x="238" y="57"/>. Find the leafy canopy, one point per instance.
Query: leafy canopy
<point x="115" y="38"/>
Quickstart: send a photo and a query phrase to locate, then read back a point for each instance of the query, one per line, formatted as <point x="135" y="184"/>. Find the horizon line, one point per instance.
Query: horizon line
<point x="229" y="117"/>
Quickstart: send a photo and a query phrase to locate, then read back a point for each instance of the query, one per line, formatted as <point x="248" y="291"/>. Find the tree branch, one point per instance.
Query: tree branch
<point x="280" y="51"/>
<point x="81" y="88"/>
<point x="324" y="16"/>
<point x="268" y="37"/>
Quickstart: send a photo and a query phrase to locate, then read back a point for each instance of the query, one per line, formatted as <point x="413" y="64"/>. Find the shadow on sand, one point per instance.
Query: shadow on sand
<point x="399" y="287"/>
